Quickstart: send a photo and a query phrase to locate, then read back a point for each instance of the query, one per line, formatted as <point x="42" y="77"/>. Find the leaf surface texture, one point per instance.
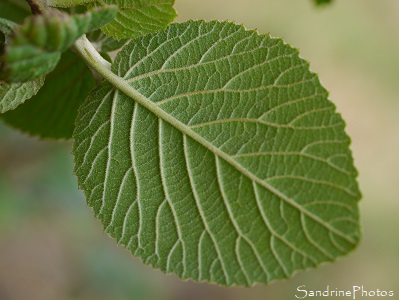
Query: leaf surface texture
<point x="14" y="94"/>
<point x="235" y="169"/>
<point x="137" y="17"/>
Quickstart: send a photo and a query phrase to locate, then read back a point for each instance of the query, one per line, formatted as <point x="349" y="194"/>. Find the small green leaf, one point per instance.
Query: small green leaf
<point x="6" y="28"/>
<point x="37" y="43"/>
<point x="67" y="3"/>
<point x="14" y="94"/>
<point x="52" y="112"/>
<point x="137" y="17"/>
<point x="216" y="155"/>
<point x="322" y="2"/>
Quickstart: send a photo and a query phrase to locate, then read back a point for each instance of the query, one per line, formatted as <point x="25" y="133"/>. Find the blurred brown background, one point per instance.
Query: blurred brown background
<point x="51" y="247"/>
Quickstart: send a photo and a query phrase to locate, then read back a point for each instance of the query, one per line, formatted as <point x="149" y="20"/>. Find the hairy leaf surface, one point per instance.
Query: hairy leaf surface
<point x="137" y="17"/>
<point x="38" y="42"/>
<point x="14" y="94"/>
<point x="52" y="112"/>
<point x="66" y="3"/>
<point x="232" y="166"/>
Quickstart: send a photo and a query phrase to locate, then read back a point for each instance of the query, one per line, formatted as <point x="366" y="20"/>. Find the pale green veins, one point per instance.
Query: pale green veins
<point x="214" y="153"/>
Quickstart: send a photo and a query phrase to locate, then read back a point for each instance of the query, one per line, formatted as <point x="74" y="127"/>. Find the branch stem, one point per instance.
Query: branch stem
<point x="35" y="7"/>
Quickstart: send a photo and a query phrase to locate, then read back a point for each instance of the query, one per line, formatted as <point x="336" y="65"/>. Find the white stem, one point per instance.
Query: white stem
<point x="89" y="54"/>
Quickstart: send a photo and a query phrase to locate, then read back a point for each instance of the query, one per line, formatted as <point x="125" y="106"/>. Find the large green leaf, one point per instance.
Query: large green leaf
<point x="38" y="42"/>
<point x="52" y="112"/>
<point x="222" y="159"/>
<point x="138" y="17"/>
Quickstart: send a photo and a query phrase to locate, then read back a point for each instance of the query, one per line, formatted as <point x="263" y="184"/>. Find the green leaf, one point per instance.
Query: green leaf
<point x="322" y="2"/>
<point x="15" y="10"/>
<point x="36" y="46"/>
<point x="216" y="155"/>
<point x="137" y="17"/>
<point x="12" y="95"/>
<point x="6" y="30"/>
<point x="100" y="16"/>
<point x="67" y="3"/>
<point x="52" y="112"/>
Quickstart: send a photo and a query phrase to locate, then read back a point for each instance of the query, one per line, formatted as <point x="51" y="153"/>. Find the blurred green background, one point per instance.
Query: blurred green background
<point x="51" y="247"/>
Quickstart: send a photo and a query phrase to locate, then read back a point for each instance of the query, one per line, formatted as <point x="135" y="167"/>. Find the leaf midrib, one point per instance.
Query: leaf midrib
<point x="122" y="85"/>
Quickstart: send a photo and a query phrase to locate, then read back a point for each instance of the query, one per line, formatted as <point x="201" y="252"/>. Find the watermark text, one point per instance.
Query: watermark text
<point x="355" y="292"/>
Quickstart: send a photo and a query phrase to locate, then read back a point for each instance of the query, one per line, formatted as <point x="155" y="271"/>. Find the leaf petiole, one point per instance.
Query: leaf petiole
<point x="85" y="49"/>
